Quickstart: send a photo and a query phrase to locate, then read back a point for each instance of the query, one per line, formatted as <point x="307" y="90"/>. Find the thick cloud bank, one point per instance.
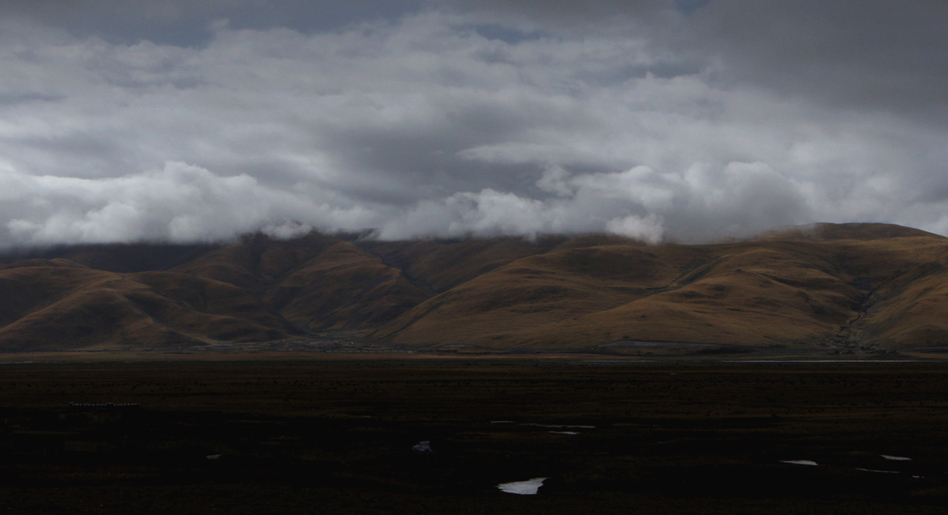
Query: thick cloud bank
<point x="670" y="120"/>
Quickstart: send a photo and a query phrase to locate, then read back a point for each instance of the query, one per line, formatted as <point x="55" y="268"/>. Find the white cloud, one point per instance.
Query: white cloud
<point x="178" y="203"/>
<point x="648" y="229"/>
<point x="422" y="126"/>
<point x="698" y="204"/>
<point x="555" y="180"/>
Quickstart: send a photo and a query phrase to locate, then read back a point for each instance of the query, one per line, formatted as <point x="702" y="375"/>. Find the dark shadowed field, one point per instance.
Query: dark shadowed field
<point x="336" y="436"/>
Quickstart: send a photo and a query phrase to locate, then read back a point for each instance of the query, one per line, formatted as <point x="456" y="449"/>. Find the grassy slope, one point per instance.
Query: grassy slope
<point x="316" y="282"/>
<point x="594" y="295"/>
<point x="343" y="288"/>
<point x="865" y="283"/>
<point x="69" y="307"/>
<point x="880" y="284"/>
<point x="438" y="266"/>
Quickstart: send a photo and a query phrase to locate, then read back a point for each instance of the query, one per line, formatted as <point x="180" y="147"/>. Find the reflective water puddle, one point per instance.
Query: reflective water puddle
<point x="528" y="487"/>
<point x="544" y="426"/>
<point x="879" y="471"/>
<point x="423" y="446"/>
<point x="895" y="458"/>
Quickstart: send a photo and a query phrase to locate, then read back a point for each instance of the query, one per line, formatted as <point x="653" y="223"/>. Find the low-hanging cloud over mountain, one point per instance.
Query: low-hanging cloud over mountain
<point x="667" y="119"/>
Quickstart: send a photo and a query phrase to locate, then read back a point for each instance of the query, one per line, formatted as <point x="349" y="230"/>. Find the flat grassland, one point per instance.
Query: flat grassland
<point x="337" y="436"/>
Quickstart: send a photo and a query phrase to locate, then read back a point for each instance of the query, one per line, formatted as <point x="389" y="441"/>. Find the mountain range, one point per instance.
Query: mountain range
<point x="840" y="286"/>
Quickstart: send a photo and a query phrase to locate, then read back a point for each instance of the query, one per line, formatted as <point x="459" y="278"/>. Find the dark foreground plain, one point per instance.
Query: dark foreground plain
<point x="336" y="436"/>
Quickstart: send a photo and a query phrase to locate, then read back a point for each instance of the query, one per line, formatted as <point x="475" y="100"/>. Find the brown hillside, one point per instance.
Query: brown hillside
<point x="257" y="261"/>
<point x="907" y="298"/>
<point x="836" y="286"/>
<point x="438" y="266"/>
<point x="850" y="231"/>
<point x="343" y="287"/>
<point x="317" y="282"/>
<point x="48" y="308"/>
<point x="134" y="257"/>
<point x="850" y="286"/>
<point x="738" y="294"/>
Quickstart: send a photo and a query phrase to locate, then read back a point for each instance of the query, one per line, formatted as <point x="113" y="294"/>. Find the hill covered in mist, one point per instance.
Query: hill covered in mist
<point x="838" y="286"/>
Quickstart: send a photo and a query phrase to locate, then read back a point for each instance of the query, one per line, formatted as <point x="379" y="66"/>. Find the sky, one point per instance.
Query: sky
<point x="663" y="120"/>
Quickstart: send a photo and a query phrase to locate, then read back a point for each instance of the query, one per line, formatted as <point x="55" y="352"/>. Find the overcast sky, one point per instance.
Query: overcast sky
<point x="689" y="120"/>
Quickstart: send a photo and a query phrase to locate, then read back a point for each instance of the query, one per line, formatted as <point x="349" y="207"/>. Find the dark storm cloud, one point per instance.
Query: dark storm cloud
<point x="864" y="55"/>
<point x="680" y="119"/>
<point x="186" y="22"/>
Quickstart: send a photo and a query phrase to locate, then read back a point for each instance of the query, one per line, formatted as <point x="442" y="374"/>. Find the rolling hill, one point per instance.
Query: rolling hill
<point x="843" y="286"/>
